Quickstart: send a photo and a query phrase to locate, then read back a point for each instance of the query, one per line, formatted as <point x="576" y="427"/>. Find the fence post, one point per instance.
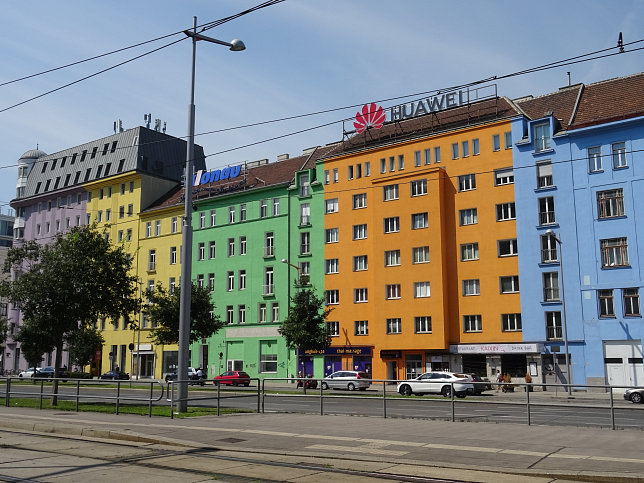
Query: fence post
<point x="384" y="399"/>
<point x="321" y="399"/>
<point x="118" y="395"/>
<point x="218" y="397"/>
<point x="612" y="408"/>
<point x="258" y="396"/>
<point x="171" y="389"/>
<point x="77" y="394"/>
<point x="527" y="395"/>
<point x="7" y="392"/>
<point x="150" y="401"/>
<point x="453" y="403"/>
<point x="42" y="382"/>
<point x="263" y="394"/>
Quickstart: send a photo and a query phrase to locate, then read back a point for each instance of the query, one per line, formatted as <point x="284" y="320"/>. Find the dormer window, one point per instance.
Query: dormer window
<point x="542" y="137"/>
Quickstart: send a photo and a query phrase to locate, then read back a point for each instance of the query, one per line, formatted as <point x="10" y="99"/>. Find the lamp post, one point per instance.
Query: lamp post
<point x="186" y="237"/>
<point x="563" y="307"/>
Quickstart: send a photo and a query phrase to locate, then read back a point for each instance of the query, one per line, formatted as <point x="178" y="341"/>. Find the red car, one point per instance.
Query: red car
<point x="234" y="378"/>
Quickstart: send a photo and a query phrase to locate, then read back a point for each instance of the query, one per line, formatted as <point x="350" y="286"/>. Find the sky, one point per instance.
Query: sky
<point x="301" y="57"/>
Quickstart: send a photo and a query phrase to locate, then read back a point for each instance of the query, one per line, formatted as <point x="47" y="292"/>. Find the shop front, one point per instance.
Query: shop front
<point x="485" y="359"/>
<point x="339" y="358"/>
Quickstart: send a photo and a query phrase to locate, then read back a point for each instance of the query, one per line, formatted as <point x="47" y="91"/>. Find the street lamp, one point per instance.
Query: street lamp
<point x="563" y="306"/>
<point x="186" y="238"/>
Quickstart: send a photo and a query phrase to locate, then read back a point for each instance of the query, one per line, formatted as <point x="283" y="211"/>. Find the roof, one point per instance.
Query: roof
<point x="253" y="176"/>
<point x="560" y="104"/>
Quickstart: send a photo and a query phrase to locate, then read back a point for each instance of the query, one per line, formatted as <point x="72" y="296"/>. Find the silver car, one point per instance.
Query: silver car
<point x="439" y="382"/>
<point x="350" y="380"/>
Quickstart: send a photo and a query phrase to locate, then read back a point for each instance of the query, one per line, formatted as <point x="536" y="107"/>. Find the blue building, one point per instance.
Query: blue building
<point x="578" y="175"/>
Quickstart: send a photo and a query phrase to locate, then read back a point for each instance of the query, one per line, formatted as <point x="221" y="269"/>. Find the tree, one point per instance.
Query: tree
<point x="32" y="343"/>
<point x="82" y="345"/>
<point x="304" y="328"/>
<point x="164" y="308"/>
<point x="65" y="286"/>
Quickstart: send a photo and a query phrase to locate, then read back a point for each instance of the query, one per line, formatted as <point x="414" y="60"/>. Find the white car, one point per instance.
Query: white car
<point x="28" y="374"/>
<point x="437" y="382"/>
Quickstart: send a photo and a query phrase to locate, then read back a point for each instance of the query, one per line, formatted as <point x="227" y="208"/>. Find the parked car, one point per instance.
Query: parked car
<point x="115" y="375"/>
<point x="437" y="383"/>
<point x="50" y="373"/>
<point x="479" y="384"/>
<point x="192" y="376"/>
<point x="635" y="395"/>
<point x="350" y="380"/>
<point x="28" y="373"/>
<point x="232" y="378"/>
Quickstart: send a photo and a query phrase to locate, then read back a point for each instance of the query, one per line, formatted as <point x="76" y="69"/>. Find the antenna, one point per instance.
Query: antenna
<point x="118" y="126"/>
<point x="164" y="124"/>
<point x="147" y="119"/>
<point x="568" y="77"/>
<point x="157" y="125"/>
<point x="620" y="43"/>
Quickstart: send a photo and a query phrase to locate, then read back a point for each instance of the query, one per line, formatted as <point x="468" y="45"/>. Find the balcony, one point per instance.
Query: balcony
<point x="554" y="333"/>
<point x="547" y="218"/>
<point x="269" y="251"/>
<point x="268" y="289"/>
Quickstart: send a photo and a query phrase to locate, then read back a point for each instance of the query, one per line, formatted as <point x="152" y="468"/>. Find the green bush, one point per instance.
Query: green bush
<point x="80" y="375"/>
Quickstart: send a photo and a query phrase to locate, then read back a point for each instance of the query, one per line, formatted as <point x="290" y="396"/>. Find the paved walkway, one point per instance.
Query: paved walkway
<point x="461" y="451"/>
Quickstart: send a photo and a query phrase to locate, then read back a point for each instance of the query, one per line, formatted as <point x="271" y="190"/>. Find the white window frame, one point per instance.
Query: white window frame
<point x="420" y="255"/>
<point x="392" y="258"/>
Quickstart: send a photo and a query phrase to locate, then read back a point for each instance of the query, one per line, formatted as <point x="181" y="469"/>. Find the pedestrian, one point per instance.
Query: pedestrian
<point x="199" y="373"/>
<point x="499" y="380"/>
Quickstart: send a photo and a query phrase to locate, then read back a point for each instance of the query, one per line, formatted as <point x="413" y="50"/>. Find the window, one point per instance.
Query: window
<point x="509" y="284"/>
<point x="548" y="249"/>
<point x="606" y="305"/>
<point x="542" y="137"/>
<point x="305" y="187"/>
<point x="242" y="213"/>
<point x="394" y="326"/>
<point x="508" y="139"/>
<point x="420" y="254"/>
<point x="99" y="216"/>
<point x="476" y="150"/>
<point x="471" y="287"/>
<point x="423" y="324"/>
<point x="200" y="280"/>
<point x="275" y="312"/>
<point x="454" y="150"/>
<point x="350" y="172"/>
<point x="418" y="187"/>
<point x="172" y="284"/>
<point x="327" y="176"/>
<point x="305" y="268"/>
<point x="437" y="154"/>
<point x="305" y="214"/>
<point x="392" y="224"/>
<point x="331" y="206"/>
<point x="421" y="290"/>
<point x="359" y="232"/>
<point x="331" y="235"/>
<point x="230" y="281"/>
<point x="202" y="219"/>
<point x="128" y="234"/>
<point x="401" y="161"/>
<point x="276" y="206"/>
<point x="392" y="164"/>
<point x="467" y="182"/>
<point x="619" y="155"/>
<point x="242" y="245"/>
<point x="173" y="225"/>
<point x="553" y="326"/>
<point x="333" y="328"/>
<point x="330" y="266"/>
<point x="465" y="148"/>
<point x="305" y="243"/>
<point x="121" y="211"/>
<point x="148" y="229"/>
<point x="614" y="252"/>
<point x="469" y="251"/>
<point x="332" y="297"/>
<point x="367" y="168"/>
<point x="610" y="204"/>
<point x="594" y="159"/>
<point x="383" y="165"/>
<point x="503" y="176"/>
<point x="230" y="310"/>
<point x="419" y="221"/>
<point x="157" y="228"/>
<point x="631" y="301"/>
<point x="468" y="216"/>
<point x="496" y="142"/>
<point x="201" y="251"/>
<point x="544" y="175"/>
<point x="392" y="258"/>
<point x="360" y="263"/>
<point x="508" y="248"/>
<point x="173" y="255"/>
<point x="511" y="322"/>
<point x="131" y="187"/>
<point x="231" y="214"/>
<point x="359" y="201"/>
<point x="241" y="314"/>
<point x="211" y="249"/>
<point x="361" y="327"/>
<point x="505" y="211"/>
<point x="417" y="161"/>
<point x="335" y="175"/>
<point x="472" y="323"/>
<point x="152" y="260"/>
<point x="268" y="362"/>
<point x="211" y="282"/>
<point x="390" y="192"/>
<point x="360" y="295"/>
<point x="427" y="154"/>
<point x="242" y="280"/>
<point x="392" y="291"/>
<point x="262" y="209"/>
<point x="119" y="237"/>
<point x="269" y="244"/>
<point x="261" y="313"/>
<point x="547" y="210"/>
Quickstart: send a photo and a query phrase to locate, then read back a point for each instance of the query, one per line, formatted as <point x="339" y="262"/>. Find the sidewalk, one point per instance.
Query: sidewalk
<point x="466" y="451"/>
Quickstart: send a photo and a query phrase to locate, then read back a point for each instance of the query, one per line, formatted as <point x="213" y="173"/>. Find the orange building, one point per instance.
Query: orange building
<point x="421" y="263"/>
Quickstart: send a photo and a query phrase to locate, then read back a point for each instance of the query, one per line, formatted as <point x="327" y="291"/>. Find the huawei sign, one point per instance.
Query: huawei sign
<point x="371" y="115"/>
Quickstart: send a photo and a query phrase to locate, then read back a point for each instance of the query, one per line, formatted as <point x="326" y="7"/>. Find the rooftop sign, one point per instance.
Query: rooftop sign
<point x="203" y="177"/>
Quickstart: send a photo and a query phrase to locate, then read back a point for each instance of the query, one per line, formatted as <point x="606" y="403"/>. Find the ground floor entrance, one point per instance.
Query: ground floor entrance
<point x="624" y="363"/>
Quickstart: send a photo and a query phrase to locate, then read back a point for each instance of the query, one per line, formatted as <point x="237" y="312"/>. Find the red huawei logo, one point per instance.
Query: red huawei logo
<point x="370" y="116"/>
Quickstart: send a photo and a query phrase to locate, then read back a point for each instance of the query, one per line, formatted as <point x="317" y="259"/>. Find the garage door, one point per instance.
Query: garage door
<point x="623" y="362"/>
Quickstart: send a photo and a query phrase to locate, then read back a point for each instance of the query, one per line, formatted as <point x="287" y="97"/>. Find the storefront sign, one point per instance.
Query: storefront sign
<point x="384" y="354"/>
<point x="204" y="177"/>
<point x="365" y="351"/>
<point x="496" y="348"/>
